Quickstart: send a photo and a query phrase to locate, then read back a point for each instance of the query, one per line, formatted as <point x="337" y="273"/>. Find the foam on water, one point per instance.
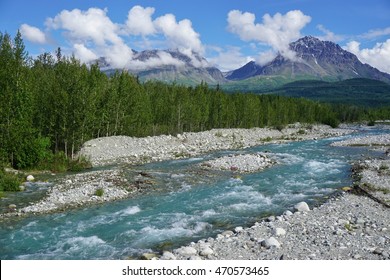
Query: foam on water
<point x="131" y="210"/>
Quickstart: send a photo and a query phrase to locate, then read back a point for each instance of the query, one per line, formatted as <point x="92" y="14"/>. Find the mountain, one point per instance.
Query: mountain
<point x="169" y="66"/>
<point x="315" y="59"/>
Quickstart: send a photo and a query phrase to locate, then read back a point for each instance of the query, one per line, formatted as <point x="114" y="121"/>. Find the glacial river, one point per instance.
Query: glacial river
<point x="186" y="204"/>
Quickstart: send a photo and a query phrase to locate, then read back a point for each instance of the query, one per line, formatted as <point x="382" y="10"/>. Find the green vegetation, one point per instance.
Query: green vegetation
<point x="51" y="105"/>
<point x="99" y="192"/>
<point x="358" y="92"/>
<point x="9" y="181"/>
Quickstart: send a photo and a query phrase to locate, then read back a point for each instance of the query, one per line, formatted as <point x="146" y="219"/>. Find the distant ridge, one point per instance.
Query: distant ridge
<point x="322" y="60"/>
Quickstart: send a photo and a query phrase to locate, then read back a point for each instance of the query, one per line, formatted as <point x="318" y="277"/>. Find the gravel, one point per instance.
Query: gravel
<point x="346" y="227"/>
<point x="123" y="149"/>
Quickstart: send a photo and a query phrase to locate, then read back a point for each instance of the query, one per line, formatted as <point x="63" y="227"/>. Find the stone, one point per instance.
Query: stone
<point x="30" y="178"/>
<point x="12" y="207"/>
<point x="168" y="256"/>
<point x="227" y="233"/>
<point x="194" y="258"/>
<point x="238" y="229"/>
<point x="148" y="256"/>
<point x="302" y="207"/>
<point x="207" y="251"/>
<point x="186" y="251"/>
<point x="279" y="231"/>
<point x="287" y="213"/>
<point x="270" y="242"/>
<point x="22" y="188"/>
<point x="270" y="219"/>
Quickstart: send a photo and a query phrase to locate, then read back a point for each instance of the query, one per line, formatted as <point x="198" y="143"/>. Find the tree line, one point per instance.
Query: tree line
<point x="53" y="104"/>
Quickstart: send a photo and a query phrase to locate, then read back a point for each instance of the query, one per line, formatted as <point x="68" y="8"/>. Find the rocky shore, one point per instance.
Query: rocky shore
<point x="240" y="163"/>
<point x="77" y="190"/>
<point x="122" y="149"/>
<point x="352" y="225"/>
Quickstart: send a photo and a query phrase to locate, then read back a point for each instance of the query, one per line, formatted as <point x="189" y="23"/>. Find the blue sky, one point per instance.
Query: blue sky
<point x="228" y="33"/>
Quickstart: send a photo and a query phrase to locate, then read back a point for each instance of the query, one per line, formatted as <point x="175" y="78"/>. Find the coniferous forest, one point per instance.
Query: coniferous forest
<point x="52" y="104"/>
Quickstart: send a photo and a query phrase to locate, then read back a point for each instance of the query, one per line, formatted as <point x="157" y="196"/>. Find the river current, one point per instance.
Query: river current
<point x="186" y="204"/>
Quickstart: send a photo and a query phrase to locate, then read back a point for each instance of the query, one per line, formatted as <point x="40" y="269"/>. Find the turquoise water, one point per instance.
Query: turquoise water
<point x="186" y="204"/>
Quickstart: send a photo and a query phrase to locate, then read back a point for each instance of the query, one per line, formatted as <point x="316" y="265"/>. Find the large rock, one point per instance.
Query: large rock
<point x="206" y="251"/>
<point x="186" y="251"/>
<point x="302" y="207"/>
<point x="270" y="243"/>
<point x="30" y="178"/>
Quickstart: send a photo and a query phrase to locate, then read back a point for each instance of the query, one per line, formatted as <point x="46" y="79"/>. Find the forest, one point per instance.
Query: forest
<point x="50" y="105"/>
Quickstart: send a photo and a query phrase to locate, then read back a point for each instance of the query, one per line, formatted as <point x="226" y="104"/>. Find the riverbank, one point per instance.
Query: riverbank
<point x="78" y="190"/>
<point x="352" y="225"/>
<point x="122" y="149"/>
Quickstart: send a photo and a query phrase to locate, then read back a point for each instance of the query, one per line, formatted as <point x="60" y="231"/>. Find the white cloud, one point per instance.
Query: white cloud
<point x="83" y="53"/>
<point x="33" y="34"/>
<point x="180" y="34"/>
<point x="329" y="35"/>
<point x="139" y="21"/>
<point x="229" y="59"/>
<point x="95" y="29"/>
<point x="378" y="56"/>
<point x="375" y="33"/>
<point x="162" y="59"/>
<point x="276" y="31"/>
<point x="92" y="26"/>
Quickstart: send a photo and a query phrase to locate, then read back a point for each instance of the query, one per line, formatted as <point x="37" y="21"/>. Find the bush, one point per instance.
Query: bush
<point x="99" y="192"/>
<point x="9" y="182"/>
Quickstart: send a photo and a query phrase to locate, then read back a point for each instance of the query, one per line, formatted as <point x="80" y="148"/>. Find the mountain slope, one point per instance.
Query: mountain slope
<point x="169" y="66"/>
<point x="317" y="59"/>
<point x="359" y="91"/>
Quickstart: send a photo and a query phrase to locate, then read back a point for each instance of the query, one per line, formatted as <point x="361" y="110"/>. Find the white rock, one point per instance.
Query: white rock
<point x="279" y="231"/>
<point x="207" y="251"/>
<point x="168" y="256"/>
<point x="287" y="213"/>
<point x="22" y="188"/>
<point x="238" y="229"/>
<point x="302" y="207"/>
<point x="270" y="242"/>
<point x="30" y="178"/>
<point x="186" y="251"/>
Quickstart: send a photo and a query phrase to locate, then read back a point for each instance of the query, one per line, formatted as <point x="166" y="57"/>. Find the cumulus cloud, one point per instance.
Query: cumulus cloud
<point x="378" y="56"/>
<point x="276" y="31"/>
<point x="180" y="34"/>
<point x="83" y="53"/>
<point x="139" y="21"/>
<point x="33" y="34"/>
<point x="96" y="27"/>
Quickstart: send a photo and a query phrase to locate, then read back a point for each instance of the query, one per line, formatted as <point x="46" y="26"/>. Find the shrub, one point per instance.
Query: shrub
<point x="9" y="182"/>
<point x="99" y="192"/>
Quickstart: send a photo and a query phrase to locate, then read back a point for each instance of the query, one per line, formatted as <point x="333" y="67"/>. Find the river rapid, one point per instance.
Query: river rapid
<point x="186" y="203"/>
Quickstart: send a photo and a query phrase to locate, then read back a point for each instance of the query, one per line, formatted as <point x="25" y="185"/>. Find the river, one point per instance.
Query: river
<point x="185" y="204"/>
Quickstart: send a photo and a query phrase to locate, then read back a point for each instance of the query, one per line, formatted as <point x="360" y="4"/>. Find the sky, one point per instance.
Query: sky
<point x="228" y="33"/>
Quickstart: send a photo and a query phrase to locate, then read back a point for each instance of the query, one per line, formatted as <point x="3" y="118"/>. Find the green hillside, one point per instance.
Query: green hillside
<point x="361" y="92"/>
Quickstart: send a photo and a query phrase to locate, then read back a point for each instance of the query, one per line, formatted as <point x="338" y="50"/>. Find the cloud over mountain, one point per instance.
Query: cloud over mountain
<point x="378" y="56"/>
<point x="276" y="31"/>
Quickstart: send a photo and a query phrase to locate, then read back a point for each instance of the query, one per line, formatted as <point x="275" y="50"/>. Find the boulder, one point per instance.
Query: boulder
<point x="168" y="256"/>
<point x="206" y="251"/>
<point x="186" y="251"/>
<point x="30" y="178"/>
<point x="302" y="207"/>
<point x="279" y="231"/>
<point x="270" y="242"/>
